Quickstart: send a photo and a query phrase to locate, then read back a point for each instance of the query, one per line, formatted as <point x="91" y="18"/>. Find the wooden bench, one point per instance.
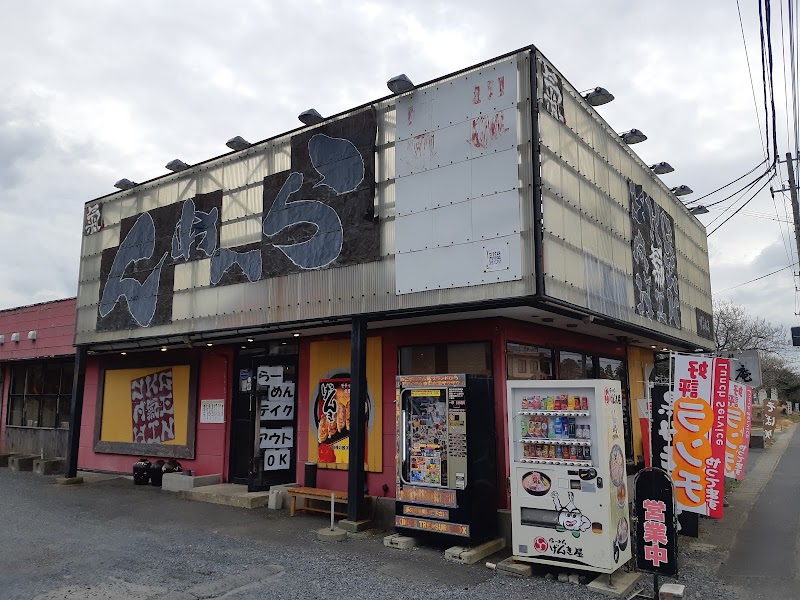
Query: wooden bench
<point x="306" y="494"/>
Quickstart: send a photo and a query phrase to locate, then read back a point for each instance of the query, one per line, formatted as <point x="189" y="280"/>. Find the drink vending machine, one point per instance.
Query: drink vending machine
<point x="569" y="497"/>
<point x="446" y="457"/>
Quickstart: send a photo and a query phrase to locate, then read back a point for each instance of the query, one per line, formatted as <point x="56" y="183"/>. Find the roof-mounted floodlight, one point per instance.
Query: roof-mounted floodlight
<point x="598" y="96"/>
<point x="176" y="165"/>
<point x="124" y="184"/>
<point x="310" y="117"/>
<point x="698" y="210"/>
<point x="634" y="136"/>
<point x="661" y="168"/>
<point x="238" y="143"/>
<point x="682" y="190"/>
<point x="400" y="84"/>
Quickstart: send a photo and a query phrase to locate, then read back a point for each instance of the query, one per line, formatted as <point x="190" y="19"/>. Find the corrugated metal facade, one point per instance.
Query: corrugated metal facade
<point x="587" y="230"/>
<point x="198" y="306"/>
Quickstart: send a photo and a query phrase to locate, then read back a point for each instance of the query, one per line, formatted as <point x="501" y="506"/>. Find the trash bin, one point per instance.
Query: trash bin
<point x="156" y="473"/>
<point x="141" y="472"/>
<point x="310" y="478"/>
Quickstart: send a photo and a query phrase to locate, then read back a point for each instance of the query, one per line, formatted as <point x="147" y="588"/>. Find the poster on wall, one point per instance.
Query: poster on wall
<point x="329" y="418"/>
<point x="148" y="410"/>
<point x="700" y="386"/>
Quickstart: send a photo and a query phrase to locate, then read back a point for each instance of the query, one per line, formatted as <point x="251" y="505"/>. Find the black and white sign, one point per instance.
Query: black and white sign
<point x="280" y="437"/>
<point x="277" y="410"/>
<point x="212" y="411"/>
<point x="266" y="376"/>
<point x="277" y="460"/>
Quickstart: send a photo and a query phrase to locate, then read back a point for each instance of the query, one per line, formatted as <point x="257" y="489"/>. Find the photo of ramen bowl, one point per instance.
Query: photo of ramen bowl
<point x="536" y="483"/>
<point x="623" y="533"/>
<point x="621" y="495"/>
<point x="616" y="464"/>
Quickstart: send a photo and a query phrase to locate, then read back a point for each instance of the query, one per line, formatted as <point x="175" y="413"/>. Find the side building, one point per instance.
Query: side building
<point x="37" y="362"/>
<point x="489" y="223"/>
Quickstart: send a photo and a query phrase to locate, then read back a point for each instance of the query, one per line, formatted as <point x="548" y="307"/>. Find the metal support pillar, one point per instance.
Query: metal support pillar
<point x="76" y="413"/>
<point x="356" y="477"/>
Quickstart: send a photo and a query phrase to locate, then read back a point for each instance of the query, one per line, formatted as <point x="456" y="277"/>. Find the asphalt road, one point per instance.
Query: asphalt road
<point x="764" y="561"/>
<point x="109" y="540"/>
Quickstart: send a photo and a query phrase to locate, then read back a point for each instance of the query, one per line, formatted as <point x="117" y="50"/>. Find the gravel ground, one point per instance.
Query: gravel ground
<point x="110" y="539"/>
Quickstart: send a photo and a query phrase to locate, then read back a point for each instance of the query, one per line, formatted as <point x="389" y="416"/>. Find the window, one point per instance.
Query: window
<point x="470" y="358"/>
<point x="572" y="365"/>
<point x="609" y="368"/>
<point x="528" y="362"/>
<point x="41" y="395"/>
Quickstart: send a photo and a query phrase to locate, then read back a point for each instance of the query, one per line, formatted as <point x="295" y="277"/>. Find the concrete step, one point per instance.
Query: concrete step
<point x="178" y="482"/>
<point x="4" y="456"/>
<point x="228" y="494"/>
<point x="22" y="462"/>
<point x="48" y="466"/>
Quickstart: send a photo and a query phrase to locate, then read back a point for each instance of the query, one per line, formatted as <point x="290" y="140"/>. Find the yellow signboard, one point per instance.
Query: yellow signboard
<point x="329" y="424"/>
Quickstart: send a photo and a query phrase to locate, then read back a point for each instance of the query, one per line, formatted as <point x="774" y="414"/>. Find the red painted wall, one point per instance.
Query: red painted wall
<point x="214" y="382"/>
<point x="54" y="323"/>
<point x="496" y="331"/>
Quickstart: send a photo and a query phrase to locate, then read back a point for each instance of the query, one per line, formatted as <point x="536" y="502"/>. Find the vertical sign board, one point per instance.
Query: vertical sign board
<point x="700" y="386"/>
<point x="770" y="418"/>
<point x="276" y="409"/>
<point x="656" y="538"/>
<point x="740" y="405"/>
<point x="661" y="434"/>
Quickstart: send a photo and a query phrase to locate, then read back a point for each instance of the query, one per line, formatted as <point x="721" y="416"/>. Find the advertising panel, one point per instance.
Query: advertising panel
<point x="329" y="417"/>
<point x="656" y="538"/>
<point x="740" y="406"/>
<point x="457" y="200"/>
<point x="148" y="410"/>
<point x="700" y="385"/>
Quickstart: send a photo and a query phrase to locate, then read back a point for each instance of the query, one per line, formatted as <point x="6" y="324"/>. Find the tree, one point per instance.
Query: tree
<point x="736" y="330"/>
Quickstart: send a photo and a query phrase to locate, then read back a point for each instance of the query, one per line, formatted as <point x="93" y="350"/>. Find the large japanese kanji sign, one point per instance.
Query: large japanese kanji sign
<point x="740" y="408"/>
<point x="700" y="388"/>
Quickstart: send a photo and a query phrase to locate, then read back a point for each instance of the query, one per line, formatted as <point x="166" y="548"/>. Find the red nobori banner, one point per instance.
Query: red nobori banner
<point x="700" y="389"/>
<point x="740" y="409"/>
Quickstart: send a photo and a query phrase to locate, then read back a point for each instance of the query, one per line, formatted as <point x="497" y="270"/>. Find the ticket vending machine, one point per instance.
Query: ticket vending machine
<point x="446" y="457"/>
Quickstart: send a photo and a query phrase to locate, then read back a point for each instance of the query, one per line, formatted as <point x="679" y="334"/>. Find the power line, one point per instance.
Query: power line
<point x="727" y="184"/>
<point x="752" y="86"/>
<point x="756" y="279"/>
<point x="741" y="207"/>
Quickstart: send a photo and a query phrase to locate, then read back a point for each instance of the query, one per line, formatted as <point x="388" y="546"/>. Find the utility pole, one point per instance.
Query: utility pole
<point x="795" y="207"/>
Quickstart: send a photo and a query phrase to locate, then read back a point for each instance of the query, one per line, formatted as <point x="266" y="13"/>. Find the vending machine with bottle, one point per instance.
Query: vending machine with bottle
<point x="446" y="458"/>
<point x="569" y="497"/>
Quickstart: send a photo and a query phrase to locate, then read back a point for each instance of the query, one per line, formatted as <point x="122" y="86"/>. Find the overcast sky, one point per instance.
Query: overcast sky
<point x="96" y="91"/>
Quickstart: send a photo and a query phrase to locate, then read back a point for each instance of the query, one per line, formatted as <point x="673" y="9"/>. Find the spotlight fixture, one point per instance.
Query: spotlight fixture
<point x="296" y="334"/>
<point x="634" y="136"/>
<point x="163" y="348"/>
<point x="598" y="96"/>
<point x="123" y="353"/>
<point x="652" y="346"/>
<point x="661" y="168"/>
<point x="682" y="190"/>
<point x="698" y="210"/>
<point x="310" y="117"/>
<point x="209" y="344"/>
<point x="400" y="84"/>
<point x="238" y="143"/>
<point x="176" y="165"/>
<point x="250" y="340"/>
<point x="125" y="184"/>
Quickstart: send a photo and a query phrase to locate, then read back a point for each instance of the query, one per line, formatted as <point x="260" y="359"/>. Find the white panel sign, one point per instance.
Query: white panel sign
<point x="457" y="198"/>
<point x="212" y="411"/>
<point x="277" y="410"/>
<point x="268" y="375"/>
<point x="279" y="437"/>
<point x="277" y="460"/>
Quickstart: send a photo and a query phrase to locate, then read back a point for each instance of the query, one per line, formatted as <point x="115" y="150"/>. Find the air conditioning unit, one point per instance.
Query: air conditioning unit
<point x="32" y="335"/>
<point x="15" y="337"/>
